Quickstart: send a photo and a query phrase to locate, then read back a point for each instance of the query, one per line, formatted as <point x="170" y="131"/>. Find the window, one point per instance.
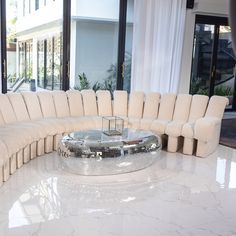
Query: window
<point x="49" y="53"/>
<point x="214" y="62"/>
<point x="97" y="41"/>
<point x="24" y="54"/>
<point x="36" y="5"/>
<point x="39" y="50"/>
<point x="25" y="66"/>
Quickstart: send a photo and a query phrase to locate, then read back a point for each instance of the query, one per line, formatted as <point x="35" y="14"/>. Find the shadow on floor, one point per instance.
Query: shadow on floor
<point x="228" y="133"/>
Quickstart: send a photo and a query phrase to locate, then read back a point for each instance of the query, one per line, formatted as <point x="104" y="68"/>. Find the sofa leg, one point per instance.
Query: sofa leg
<point x="174" y="144"/>
<point x="12" y="164"/>
<point x="26" y="154"/>
<point x="48" y="145"/>
<point x="189" y="146"/>
<point x="56" y="139"/>
<point x="6" y="171"/>
<point x="19" y="159"/>
<point x="40" y="147"/>
<point x="33" y="150"/>
<point x="206" y="148"/>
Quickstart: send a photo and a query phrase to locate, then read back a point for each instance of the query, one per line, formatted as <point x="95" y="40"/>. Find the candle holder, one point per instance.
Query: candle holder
<point x="112" y="125"/>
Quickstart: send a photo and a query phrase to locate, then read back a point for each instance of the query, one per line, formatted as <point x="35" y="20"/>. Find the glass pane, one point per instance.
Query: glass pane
<point x="225" y="66"/>
<point x="40" y="53"/>
<point x="34" y="44"/>
<point x="128" y="45"/>
<point x="202" y="54"/>
<point x="94" y="43"/>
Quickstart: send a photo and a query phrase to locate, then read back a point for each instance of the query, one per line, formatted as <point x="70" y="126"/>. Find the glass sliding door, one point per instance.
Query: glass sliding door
<point x="94" y="40"/>
<point x="95" y="35"/>
<point x="202" y="54"/>
<point x="213" y="64"/>
<point x="66" y="44"/>
<point x="34" y="42"/>
<point x="224" y="84"/>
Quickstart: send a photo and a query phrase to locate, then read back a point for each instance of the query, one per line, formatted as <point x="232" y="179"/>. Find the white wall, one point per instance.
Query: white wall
<point x="107" y="9"/>
<point x="94" y="48"/>
<point x="52" y="12"/>
<point x="204" y="7"/>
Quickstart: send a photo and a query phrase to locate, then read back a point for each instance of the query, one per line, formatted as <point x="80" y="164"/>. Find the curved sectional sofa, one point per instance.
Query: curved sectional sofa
<point x="31" y="124"/>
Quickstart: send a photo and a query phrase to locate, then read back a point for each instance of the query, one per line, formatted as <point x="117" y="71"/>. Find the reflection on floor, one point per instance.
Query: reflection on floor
<point x="228" y="133"/>
<point x="178" y="195"/>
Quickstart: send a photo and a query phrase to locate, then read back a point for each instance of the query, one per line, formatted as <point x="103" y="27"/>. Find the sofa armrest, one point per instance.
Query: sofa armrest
<point x="207" y="128"/>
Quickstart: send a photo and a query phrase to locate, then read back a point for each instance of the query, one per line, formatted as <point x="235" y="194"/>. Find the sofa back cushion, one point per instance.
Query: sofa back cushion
<point x="6" y="108"/>
<point x="89" y="102"/>
<point x="120" y="104"/>
<point x="198" y="107"/>
<point x="135" y="108"/>
<point x="47" y="104"/>
<point x="33" y="105"/>
<point x="19" y="106"/>
<point x="216" y="106"/>
<point x="151" y="105"/>
<point x="104" y="103"/>
<point x="61" y="103"/>
<point x="182" y="107"/>
<point x="167" y="105"/>
<point x="75" y="103"/>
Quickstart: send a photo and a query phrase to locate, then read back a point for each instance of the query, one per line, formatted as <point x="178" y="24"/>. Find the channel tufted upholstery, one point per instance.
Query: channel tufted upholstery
<point x="174" y="128"/>
<point x="32" y="124"/>
<point x="151" y="108"/>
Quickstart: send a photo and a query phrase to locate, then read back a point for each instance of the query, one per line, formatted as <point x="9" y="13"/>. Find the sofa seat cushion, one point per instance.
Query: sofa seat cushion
<point x="159" y="126"/>
<point x="145" y="123"/>
<point x="4" y="153"/>
<point x="14" y="138"/>
<point x="174" y="128"/>
<point x="83" y="123"/>
<point x="34" y="130"/>
<point x="134" y="123"/>
<point x="94" y="122"/>
<point x="53" y="125"/>
<point x="206" y="129"/>
<point x="188" y="130"/>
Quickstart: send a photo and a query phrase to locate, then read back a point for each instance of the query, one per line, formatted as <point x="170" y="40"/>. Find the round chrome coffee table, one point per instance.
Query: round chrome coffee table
<point x="94" y="153"/>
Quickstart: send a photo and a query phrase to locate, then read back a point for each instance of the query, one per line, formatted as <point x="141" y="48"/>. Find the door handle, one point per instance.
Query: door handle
<point x="4" y="69"/>
<point x="213" y="71"/>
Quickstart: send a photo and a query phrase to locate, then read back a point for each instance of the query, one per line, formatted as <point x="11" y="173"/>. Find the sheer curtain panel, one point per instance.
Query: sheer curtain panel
<point x="157" y="44"/>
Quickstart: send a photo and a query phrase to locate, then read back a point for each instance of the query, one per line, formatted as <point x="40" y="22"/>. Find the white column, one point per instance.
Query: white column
<point x="73" y="59"/>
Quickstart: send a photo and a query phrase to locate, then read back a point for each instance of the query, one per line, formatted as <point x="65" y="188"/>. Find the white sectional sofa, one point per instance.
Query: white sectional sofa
<point x="31" y="124"/>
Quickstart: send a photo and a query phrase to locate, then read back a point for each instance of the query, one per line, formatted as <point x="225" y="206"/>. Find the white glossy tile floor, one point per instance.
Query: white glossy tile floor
<point x="178" y="195"/>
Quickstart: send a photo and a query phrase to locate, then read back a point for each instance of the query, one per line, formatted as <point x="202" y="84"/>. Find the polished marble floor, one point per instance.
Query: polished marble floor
<point x="178" y="195"/>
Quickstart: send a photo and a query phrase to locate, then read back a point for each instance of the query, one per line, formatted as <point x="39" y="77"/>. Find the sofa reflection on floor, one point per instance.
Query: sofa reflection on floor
<point x="31" y="124"/>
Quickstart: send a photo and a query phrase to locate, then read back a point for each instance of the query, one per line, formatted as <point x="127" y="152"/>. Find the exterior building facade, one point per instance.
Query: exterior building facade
<point x="94" y="43"/>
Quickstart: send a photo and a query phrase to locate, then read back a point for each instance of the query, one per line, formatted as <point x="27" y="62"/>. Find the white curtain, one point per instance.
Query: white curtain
<point x="157" y="45"/>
